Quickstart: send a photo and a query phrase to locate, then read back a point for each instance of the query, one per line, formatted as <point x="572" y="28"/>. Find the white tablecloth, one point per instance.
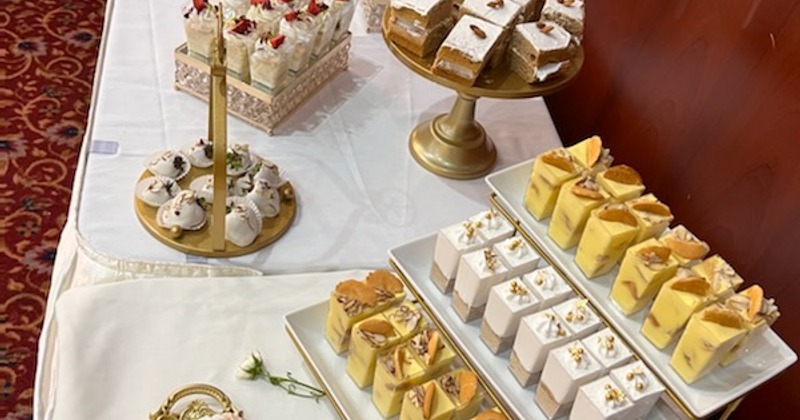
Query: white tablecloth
<point x="345" y="151"/>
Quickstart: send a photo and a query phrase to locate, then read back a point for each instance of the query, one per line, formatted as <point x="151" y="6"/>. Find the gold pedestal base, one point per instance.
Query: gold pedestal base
<point x="454" y="145"/>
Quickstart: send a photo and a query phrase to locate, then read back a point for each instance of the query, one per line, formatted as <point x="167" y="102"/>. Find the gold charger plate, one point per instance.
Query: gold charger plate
<point x="198" y="242"/>
<point x="499" y="82"/>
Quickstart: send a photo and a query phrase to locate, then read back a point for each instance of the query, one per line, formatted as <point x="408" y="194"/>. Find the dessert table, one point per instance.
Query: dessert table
<point x="345" y="151"/>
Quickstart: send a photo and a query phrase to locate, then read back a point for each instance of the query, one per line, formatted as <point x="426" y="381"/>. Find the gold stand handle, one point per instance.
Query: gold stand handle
<point x="196" y="409"/>
<point x="454" y="145"/>
<point x="217" y="134"/>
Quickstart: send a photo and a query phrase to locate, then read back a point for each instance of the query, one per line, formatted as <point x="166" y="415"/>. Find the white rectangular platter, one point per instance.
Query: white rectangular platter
<point x="414" y="260"/>
<point x="306" y="327"/>
<point x="720" y="387"/>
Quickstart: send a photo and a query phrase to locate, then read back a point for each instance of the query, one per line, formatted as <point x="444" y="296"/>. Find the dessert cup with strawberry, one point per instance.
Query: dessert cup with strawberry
<point x="267" y="16"/>
<point x="318" y="12"/>
<point x="342" y="13"/>
<point x="302" y="31"/>
<point x="200" y="24"/>
<point x="240" y="39"/>
<point x="269" y="64"/>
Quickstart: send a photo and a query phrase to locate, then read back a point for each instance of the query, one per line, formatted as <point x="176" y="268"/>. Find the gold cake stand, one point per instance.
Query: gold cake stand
<point x="455" y="145"/>
<point x="209" y="241"/>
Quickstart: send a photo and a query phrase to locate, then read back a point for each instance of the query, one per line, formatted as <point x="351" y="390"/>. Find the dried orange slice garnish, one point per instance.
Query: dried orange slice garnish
<point x="586" y="193"/>
<point x="690" y="250"/>
<point x="433" y="347"/>
<point x="468" y="386"/>
<point x="661" y="252"/>
<point x="694" y="285"/>
<point x="756" y="295"/>
<point x="594" y="148"/>
<point x="399" y="359"/>
<point x="357" y="290"/>
<point x="490" y="415"/>
<point x="558" y="160"/>
<point x="384" y="280"/>
<point x="427" y="405"/>
<point x="659" y="209"/>
<point x="623" y="174"/>
<point x="617" y="215"/>
<point x="722" y="316"/>
<point x="377" y="326"/>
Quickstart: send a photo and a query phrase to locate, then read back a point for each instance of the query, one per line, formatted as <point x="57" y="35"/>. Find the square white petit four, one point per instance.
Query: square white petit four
<point x="601" y="400"/>
<point x="508" y="303"/>
<point x="492" y="227"/>
<point x="537" y="335"/>
<point x="607" y="348"/>
<point x="567" y="368"/>
<point x="567" y="13"/>
<point x="452" y="242"/>
<point x="467" y="49"/>
<point x="519" y="256"/>
<point x="548" y="286"/>
<point x="579" y="317"/>
<point x="477" y="273"/>
<point x="640" y="385"/>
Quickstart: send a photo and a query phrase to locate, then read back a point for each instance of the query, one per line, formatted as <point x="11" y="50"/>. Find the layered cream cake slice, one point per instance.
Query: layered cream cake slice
<point x="568" y="13"/>
<point x="640" y="385"/>
<point x="579" y="317"/>
<point x="428" y="402"/>
<point x="461" y="386"/>
<point x="467" y="49"/>
<point x="499" y="12"/>
<point x="548" y="286"/>
<point x="477" y="273"/>
<point x="644" y="269"/>
<point x="517" y="255"/>
<point x="567" y="368"/>
<point x="200" y="24"/>
<point x="451" y="243"/>
<point x="653" y="216"/>
<point x="678" y="299"/>
<point x="430" y="350"/>
<point x="369" y="337"/>
<point x="535" y="44"/>
<point x="420" y="26"/>
<point x="710" y="335"/>
<point x="531" y="9"/>
<point x="591" y="154"/>
<point x="724" y="280"/>
<point x="342" y="11"/>
<point x="537" y="335"/>
<point x="240" y="42"/>
<point x="601" y="399"/>
<point x="269" y="64"/>
<point x="350" y="302"/>
<point x="508" y="303"/>
<point x="396" y="372"/>
<point x="607" y="348"/>
<point x="388" y="288"/>
<point x="621" y="182"/>
<point x="406" y="320"/>
<point x="686" y="248"/>
<point x="574" y="205"/>
<point x="608" y="233"/>
<point x="492" y="227"/>
<point x="758" y="315"/>
<point x="550" y="171"/>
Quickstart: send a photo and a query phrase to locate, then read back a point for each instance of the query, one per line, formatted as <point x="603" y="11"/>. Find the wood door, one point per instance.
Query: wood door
<point x="703" y="98"/>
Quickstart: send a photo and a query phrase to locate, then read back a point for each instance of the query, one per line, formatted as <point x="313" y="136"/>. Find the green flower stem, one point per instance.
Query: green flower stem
<point x="294" y="387"/>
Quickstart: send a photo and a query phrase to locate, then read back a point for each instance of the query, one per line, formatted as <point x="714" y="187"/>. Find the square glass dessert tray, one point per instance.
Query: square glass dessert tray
<point x="413" y="261"/>
<point x="256" y="105"/>
<point x="722" y="387"/>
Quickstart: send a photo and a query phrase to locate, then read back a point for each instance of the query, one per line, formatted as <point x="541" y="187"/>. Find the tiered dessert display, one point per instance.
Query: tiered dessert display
<point x="210" y="199"/>
<point x="279" y="54"/>
<point x="480" y="48"/>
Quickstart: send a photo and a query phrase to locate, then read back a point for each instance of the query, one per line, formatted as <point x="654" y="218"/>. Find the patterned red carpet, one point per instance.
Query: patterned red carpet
<point x="48" y="51"/>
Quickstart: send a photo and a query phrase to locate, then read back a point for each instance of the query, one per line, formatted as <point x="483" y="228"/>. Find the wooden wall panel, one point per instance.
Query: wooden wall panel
<point x="703" y="98"/>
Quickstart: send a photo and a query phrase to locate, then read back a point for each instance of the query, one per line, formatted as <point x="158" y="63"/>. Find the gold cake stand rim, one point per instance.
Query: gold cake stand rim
<point x="268" y="235"/>
<point x="510" y="85"/>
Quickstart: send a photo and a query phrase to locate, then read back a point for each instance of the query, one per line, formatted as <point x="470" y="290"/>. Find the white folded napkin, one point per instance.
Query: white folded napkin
<point x="124" y="347"/>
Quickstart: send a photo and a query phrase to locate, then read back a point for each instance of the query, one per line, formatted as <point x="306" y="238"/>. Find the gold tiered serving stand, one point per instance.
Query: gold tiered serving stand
<point x="210" y="401"/>
<point x="209" y="241"/>
<point x="455" y="145"/>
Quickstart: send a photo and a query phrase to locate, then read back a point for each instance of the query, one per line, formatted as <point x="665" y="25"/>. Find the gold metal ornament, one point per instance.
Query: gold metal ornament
<point x="195" y="409"/>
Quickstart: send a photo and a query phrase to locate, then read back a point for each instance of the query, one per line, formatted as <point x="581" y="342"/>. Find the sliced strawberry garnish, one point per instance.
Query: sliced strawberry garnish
<point x="290" y="15"/>
<point x="199" y="5"/>
<point x="276" y="41"/>
<point x="243" y="26"/>
<point x="256" y="2"/>
<point x="313" y="8"/>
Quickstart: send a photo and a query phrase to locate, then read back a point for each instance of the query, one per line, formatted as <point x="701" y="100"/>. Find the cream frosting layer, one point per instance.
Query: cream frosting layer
<point x="464" y="39"/>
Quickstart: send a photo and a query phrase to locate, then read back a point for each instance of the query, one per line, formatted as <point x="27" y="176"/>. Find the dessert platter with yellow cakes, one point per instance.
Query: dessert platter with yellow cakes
<point x="279" y="53"/>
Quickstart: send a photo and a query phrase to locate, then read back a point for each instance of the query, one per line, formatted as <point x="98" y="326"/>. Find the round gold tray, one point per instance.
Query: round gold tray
<point x="198" y="242"/>
<point x="455" y="145"/>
